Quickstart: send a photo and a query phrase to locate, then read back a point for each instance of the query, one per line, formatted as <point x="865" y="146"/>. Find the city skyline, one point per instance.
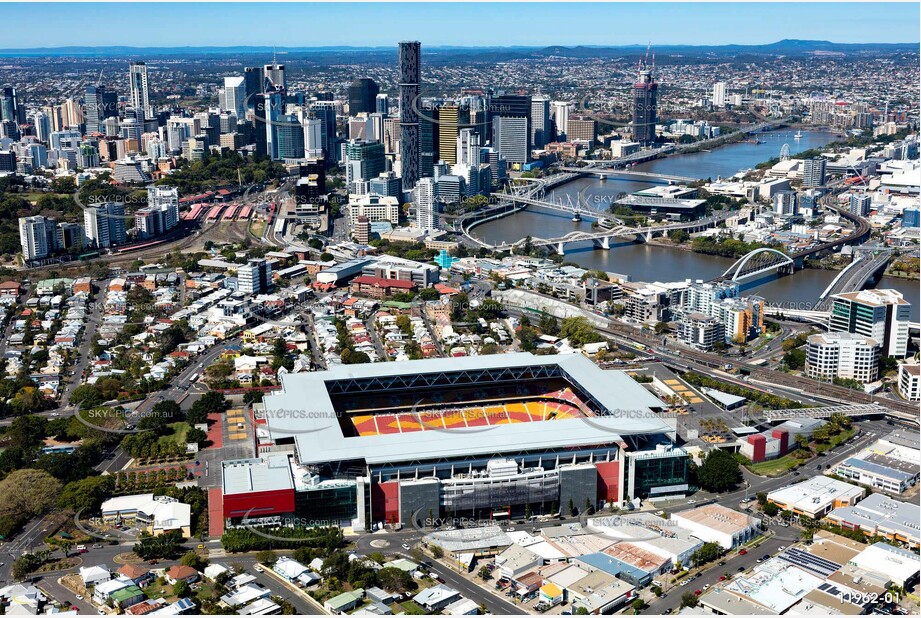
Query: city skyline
<point x="675" y="24"/>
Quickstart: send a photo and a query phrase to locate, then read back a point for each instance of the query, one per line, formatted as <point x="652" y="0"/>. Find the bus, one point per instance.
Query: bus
<point x="193" y="378"/>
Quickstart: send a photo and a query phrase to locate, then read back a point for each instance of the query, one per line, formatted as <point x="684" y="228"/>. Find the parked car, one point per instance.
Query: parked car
<point x="697" y="593"/>
<point x="742" y="552"/>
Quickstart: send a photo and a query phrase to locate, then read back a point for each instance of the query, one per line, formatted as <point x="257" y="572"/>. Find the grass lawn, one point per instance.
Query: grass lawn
<point x="411" y="607"/>
<point x="834" y="441"/>
<point x="157" y="590"/>
<point x="257" y="228"/>
<point x="774" y="467"/>
<point x="177" y="435"/>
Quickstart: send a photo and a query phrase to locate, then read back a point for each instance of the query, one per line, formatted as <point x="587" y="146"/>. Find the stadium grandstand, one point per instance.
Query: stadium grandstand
<point x="486" y="437"/>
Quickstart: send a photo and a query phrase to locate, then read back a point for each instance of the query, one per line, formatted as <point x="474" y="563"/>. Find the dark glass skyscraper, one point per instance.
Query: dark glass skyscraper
<point x="253" y="78"/>
<point x="644" y="106"/>
<point x="410" y="64"/>
<point x="363" y="96"/>
<point x="100" y="104"/>
<point x="10" y="109"/>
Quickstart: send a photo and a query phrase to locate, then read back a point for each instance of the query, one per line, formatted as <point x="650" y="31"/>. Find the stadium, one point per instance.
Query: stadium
<point x="486" y="437"/>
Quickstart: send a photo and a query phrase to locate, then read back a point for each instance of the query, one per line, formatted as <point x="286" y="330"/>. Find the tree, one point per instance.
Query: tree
<point x="181" y="589"/>
<point x="437" y="552"/>
<point x="795" y="359"/>
<point x="267" y="557"/>
<point x="28" y="493"/>
<point x="196" y="435"/>
<point x="689" y="599"/>
<point x="484" y="572"/>
<point x="166" y="546"/>
<point x="770" y="509"/>
<point x="579" y="331"/>
<point x="661" y="328"/>
<point x="24" y="565"/>
<point x="87" y="495"/>
<point x="393" y="579"/>
<point x="719" y="472"/>
<point x="638" y="604"/>
<point x="192" y="559"/>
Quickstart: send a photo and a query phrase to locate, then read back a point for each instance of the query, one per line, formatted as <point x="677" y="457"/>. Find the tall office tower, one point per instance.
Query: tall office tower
<point x="253" y="84"/>
<point x="410" y="69"/>
<point x="381" y="104"/>
<point x="10" y="109"/>
<point x="101" y="103"/>
<point x="255" y="277"/>
<point x="814" y="172"/>
<point x="428" y="138"/>
<point x="104" y="225"/>
<point x="376" y="126"/>
<point x="860" y="204"/>
<point x="497" y="167"/>
<point x="540" y="120"/>
<point x="516" y="110"/>
<point x="313" y="138"/>
<point x="233" y="98"/>
<point x="582" y="129"/>
<point x="881" y="314"/>
<point x="139" y="94"/>
<point x="468" y="147"/>
<point x="72" y="112"/>
<point x="644" y="104"/>
<point x="719" y="94"/>
<point x="38" y="237"/>
<point x="510" y="138"/>
<point x="326" y="112"/>
<point x="290" y="137"/>
<point x="451" y="118"/>
<point x="267" y="111"/>
<point x="275" y="76"/>
<point x="424" y="198"/>
<point x="363" y="96"/>
<point x="42" y="124"/>
<point x="364" y="160"/>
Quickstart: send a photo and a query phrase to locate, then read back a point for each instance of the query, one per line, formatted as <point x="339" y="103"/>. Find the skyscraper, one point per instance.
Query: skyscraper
<point x="363" y="96"/>
<point x="313" y="138"/>
<point x="410" y="69"/>
<point x="233" y="98"/>
<point x="10" y="109"/>
<point x="540" y="120"/>
<point x="254" y="83"/>
<point x="644" y="104"/>
<point x="37" y="235"/>
<point x="326" y="112"/>
<point x="364" y="160"/>
<point x="290" y="137"/>
<point x="881" y="314"/>
<point x="451" y="118"/>
<point x="101" y="103"/>
<point x="860" y="204"/>
<point x="275" y="76"/>
<point x="138" y="89"/>
<point x="468" y="148"/>
<point x="561" y="111"/>
<point x="381" y="104"/>
<point x="510" y="138"/>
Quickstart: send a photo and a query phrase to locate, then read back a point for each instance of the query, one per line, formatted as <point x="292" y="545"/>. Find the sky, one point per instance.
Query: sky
<point x="168" y="24"/>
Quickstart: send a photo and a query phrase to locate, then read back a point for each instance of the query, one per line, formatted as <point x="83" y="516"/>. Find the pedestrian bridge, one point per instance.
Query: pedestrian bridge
<point x="629" y="173"/>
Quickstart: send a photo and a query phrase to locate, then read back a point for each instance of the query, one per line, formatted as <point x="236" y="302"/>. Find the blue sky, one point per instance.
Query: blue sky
<point x="470" y="23"/>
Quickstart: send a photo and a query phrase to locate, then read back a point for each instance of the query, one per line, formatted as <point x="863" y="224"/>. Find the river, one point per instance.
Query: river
<point x="655" y="263"/>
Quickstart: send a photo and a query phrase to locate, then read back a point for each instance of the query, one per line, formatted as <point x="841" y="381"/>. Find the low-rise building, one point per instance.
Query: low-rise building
<point x="879" y="515"/>
<point x="714" y="523"/>
<point x="910" y="381"/>
<point x="842" y="355"/>
<point x="816" y="497"/>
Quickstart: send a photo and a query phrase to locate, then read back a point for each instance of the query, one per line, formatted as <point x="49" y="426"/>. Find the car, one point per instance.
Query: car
<point x="74" y="608"/>
<point x="258" y="569"/>
<point x="698" y="592"/>
<point x="79" y="597"/>
<point x="405" y="546"/>
<point x="766" y="557"/>
<point x="201" y="546"/>
<point x="722" y="563"/>
<point x="742" y="552"/>
<point x="692" y="501"/>
<point x="510" y="529"/>
<point x="101" y="612"/>
<point x="759" y="560"/>
<point x="706" y="586"/>
<point x="796" y="474"/>
<point x="667" y="611"/>
<point x="722" y="578"/>
<point x="781" y="548"/>
<point x="97" y="546"/>
<point x="741" y="569"/>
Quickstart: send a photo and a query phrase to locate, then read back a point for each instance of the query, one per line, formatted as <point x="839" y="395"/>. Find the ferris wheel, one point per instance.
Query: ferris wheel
<point x="785" y="152"/>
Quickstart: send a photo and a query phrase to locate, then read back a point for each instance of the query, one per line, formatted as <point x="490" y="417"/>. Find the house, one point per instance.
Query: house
<point x="10" y="288"/>
<point x="436" y="598"/>
<point x="213" y="571"/>
<point x="126" y="597"/>
<point x="104" y="590"/>
<point x="137" y="574"/>
<point x="342" y="603"/>
<point x="289" y="569"/>
<point x="180" y="572"/>
<point x="94" y="575"/>
<point x="462" y="607"/>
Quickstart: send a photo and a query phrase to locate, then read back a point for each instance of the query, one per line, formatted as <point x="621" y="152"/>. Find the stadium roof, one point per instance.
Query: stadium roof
<point x="303" y="410"/>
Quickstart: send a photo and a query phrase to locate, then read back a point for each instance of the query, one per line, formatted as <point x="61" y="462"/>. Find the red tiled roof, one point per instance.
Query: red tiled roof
<point x="384" y="283"/>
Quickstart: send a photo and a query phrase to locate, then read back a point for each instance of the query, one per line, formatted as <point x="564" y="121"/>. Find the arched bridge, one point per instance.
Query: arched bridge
<point x="758" y="262"/>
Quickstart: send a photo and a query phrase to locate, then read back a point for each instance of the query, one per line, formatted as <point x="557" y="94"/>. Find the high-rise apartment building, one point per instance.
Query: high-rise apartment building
<point x="38" y="237"/>
<point x="645" y="90"/>
<point x="364" y="160"/>
<point x="451" y="117"/>
<point x="326" y="112"/>
<point x="104" y="224"/>
<point x="410" y="70"/>
<point x="719" y="94"/>
<point x="560" y="111"/>
<point x="814" y="172"/>
<point x="860" y="204"/>
<point x="381" y="104"/>
<point x="139" y="93"/>
<point x="255" y="277"/>
<point x="313" y="138"/>
<point x="100" y="103"/>
<point x="424" y="197"/>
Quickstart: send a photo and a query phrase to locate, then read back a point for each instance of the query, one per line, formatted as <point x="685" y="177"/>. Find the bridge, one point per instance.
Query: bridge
<point x="758" y="262"/>
<point x="602" y="238"/>
<point x="858" y="409"/>
<point x="862" y="268"/>
<point x="603" y="172"/>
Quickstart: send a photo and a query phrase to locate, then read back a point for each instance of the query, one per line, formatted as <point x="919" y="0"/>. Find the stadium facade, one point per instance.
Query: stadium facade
<point x="485" y="437"/>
